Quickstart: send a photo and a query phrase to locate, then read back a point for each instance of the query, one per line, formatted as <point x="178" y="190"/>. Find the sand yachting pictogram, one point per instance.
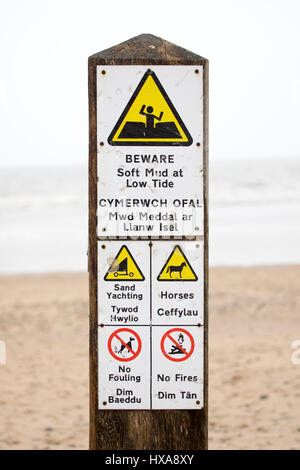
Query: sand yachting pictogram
<point x="150" y="118"/>
<point x="177" y="268"/>
<point x="177" y="344"/>
<point x="124" y="344"/>
<point x="124" y="267"/>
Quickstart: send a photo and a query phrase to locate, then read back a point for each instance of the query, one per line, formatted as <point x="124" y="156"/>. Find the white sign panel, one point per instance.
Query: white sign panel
<point x="150" y="335"/>
<point x="150" y="151"/>
<point x="123" y="283"/>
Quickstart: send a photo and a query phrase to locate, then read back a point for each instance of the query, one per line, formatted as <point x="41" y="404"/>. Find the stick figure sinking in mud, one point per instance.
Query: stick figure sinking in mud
<point x="150" y="118"/>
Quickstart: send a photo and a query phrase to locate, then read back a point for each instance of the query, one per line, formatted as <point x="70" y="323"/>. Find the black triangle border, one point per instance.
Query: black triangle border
<point x="125" y="280"/>
<point x="177" y="280"/>
<point x="128" y="106"/>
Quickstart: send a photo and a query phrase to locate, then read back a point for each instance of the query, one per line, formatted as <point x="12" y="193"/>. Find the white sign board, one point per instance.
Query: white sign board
<point x="177" y="367"/>
<point x="150" y="151"/>
<point x="123" y="283"/>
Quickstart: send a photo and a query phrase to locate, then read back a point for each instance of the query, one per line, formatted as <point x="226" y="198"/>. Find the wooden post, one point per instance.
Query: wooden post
<point x="142" y="429"/>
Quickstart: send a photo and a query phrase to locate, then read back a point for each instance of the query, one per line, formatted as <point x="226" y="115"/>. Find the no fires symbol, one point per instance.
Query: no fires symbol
<point x="177" y="344"/>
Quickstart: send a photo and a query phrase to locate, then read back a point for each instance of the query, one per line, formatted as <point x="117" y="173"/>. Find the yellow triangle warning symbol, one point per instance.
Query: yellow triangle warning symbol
<point x="124" y="267"/>
<point x="177" y="268"/>
<point x="150" y="118"/>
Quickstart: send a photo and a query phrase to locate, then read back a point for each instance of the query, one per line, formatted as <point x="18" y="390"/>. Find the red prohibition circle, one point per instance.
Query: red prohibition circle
<point x="115" y="334"/>
<point x="167" y="335"/>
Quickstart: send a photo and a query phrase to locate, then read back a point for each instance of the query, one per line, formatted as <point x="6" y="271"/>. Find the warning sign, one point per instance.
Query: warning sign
<point x="177" y="268"/>
<point x="177" y="367"/>
<point x="124" y="267"/>
<point x="123" y="303"/>
<point x="150" y="118"/>
<point x="177" y="344"/>
<point x="124" y="344"/>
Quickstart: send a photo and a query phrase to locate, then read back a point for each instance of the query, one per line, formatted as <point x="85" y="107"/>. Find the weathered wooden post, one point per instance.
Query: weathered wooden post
<point x="148" y="247"/>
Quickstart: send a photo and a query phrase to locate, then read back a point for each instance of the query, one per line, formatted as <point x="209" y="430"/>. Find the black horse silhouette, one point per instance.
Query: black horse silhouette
<point x="129" y="344"/>
<point x="176" y="269"/>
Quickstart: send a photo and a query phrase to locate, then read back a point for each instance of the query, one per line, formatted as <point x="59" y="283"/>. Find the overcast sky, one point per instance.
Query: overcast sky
<point x="252" y="45"/>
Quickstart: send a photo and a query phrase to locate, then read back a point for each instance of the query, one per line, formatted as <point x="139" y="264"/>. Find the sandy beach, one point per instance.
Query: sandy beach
<point x="254" y="387"/>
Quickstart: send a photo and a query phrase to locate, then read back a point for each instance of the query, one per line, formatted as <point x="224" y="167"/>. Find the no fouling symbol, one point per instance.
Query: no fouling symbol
<point x="124" y="344"/>
<point x="177" y="344"/>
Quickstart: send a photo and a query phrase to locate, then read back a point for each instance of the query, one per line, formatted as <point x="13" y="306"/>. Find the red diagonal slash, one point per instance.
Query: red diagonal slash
<point x="177" y="344"/>
<point x="124" y="344"/>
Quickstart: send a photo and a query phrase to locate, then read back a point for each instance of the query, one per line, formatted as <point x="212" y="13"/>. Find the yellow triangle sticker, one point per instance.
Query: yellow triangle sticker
<point x="150" y="118"/>
<point x="177" y="268"/>
<point x="124" y="268"/>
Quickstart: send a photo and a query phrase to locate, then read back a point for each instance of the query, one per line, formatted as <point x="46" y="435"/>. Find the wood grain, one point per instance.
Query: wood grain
<point x="135" y="429"/>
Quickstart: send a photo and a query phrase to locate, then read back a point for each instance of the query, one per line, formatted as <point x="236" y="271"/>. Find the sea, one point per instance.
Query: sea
<point x="254" y="215"/>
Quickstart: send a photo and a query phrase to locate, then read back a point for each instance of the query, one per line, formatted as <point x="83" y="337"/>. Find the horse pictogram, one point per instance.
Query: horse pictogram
<point x="124" y="344"/>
